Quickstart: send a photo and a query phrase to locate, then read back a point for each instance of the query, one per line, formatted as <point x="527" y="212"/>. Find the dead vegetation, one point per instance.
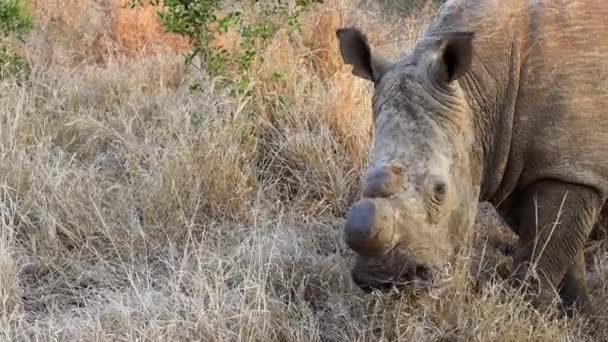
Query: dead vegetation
<point x="135" y="209"/>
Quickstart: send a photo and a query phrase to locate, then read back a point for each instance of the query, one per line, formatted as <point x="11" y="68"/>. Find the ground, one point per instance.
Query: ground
<point x="134" y="208"/>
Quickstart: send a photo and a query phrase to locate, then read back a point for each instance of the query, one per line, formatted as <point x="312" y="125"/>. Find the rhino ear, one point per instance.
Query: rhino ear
<point x="356" y="51"/>
<point x="454" y="57"/>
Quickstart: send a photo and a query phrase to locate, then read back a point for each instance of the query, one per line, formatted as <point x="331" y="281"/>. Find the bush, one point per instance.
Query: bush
<point x="11" y="63"/>
<point x="282" y="66"/>
<point x="225" y="36"/>
<point x="15" y="21"/>
<point x="15" y="17"/>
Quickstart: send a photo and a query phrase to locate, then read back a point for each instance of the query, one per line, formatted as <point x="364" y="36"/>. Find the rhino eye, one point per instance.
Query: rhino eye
<point x="439" y="192"/>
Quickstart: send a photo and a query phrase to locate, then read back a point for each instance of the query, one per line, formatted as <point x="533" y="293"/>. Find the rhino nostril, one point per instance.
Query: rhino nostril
<point x="422" y="272"/>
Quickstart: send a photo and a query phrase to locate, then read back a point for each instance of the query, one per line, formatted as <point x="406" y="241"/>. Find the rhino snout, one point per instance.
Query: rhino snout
<point x="370" y="227"/>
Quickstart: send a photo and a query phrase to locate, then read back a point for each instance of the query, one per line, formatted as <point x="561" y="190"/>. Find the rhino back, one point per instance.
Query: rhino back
<point x="563" y="102"/>
<point x="540" y="81"/>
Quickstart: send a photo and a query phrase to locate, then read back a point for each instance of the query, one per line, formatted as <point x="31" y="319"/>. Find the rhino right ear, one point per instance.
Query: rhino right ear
<point x="454" y="56"/>
<point x="356" y="51"/>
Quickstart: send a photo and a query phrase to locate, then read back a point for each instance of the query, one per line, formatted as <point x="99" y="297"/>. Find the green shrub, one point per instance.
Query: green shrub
<point x="254" y="21"/>
<point x="11" y="63"/>
<point x="15" y="21"/>
<point x="15" y="17"/>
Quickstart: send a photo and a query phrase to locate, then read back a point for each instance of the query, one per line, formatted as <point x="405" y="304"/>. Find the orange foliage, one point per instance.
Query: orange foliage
<point x="135" y="30"/>
<point x="319" y="36"/>
<point x="130" y="31"/>
<point x="228" y="41"/>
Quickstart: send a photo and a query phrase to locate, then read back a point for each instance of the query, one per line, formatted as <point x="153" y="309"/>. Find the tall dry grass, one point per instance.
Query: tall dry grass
<point x="134" y="209"/>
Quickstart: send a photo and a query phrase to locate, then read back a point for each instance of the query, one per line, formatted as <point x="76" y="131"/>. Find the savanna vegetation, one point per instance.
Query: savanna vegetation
<point x="181" y="173"/>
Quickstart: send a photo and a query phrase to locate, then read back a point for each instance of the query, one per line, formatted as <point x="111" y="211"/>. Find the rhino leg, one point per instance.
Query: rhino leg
<point x="573" y="288"/>
<point x="600" y="231"/>
<point x="555" y="221"/>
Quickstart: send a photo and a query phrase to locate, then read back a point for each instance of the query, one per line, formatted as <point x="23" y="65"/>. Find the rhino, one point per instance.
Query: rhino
<point x="502" y="102"/>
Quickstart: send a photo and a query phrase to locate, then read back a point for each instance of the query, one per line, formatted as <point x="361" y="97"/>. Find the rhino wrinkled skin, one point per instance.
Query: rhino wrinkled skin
<point x="500" y="101"/>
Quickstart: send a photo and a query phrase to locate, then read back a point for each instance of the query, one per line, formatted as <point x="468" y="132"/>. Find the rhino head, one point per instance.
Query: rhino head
<point x="419" y="195"/>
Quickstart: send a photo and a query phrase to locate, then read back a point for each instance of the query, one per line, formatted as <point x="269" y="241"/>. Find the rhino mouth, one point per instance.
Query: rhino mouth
<point x="395" y="270"/>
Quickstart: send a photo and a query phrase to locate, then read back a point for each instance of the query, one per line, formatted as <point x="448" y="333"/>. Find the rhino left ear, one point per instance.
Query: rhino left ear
<point x="355" y="51"/>
<point x="454" y="57"/>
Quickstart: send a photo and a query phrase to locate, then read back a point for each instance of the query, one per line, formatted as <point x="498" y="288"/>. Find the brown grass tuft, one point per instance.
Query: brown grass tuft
<point x="319" y="36"/>
<point x="84" y="31"/>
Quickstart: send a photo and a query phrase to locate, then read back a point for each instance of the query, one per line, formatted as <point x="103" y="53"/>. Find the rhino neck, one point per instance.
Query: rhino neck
<point x="491" y="92"/>
<point x="491" y="86"/>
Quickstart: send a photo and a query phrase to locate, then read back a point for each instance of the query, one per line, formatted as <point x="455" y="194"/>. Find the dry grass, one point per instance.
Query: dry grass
<point x="133" y="209"/>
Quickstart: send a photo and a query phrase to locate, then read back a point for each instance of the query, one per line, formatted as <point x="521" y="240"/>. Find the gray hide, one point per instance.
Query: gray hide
<point x="504" y="101"/>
